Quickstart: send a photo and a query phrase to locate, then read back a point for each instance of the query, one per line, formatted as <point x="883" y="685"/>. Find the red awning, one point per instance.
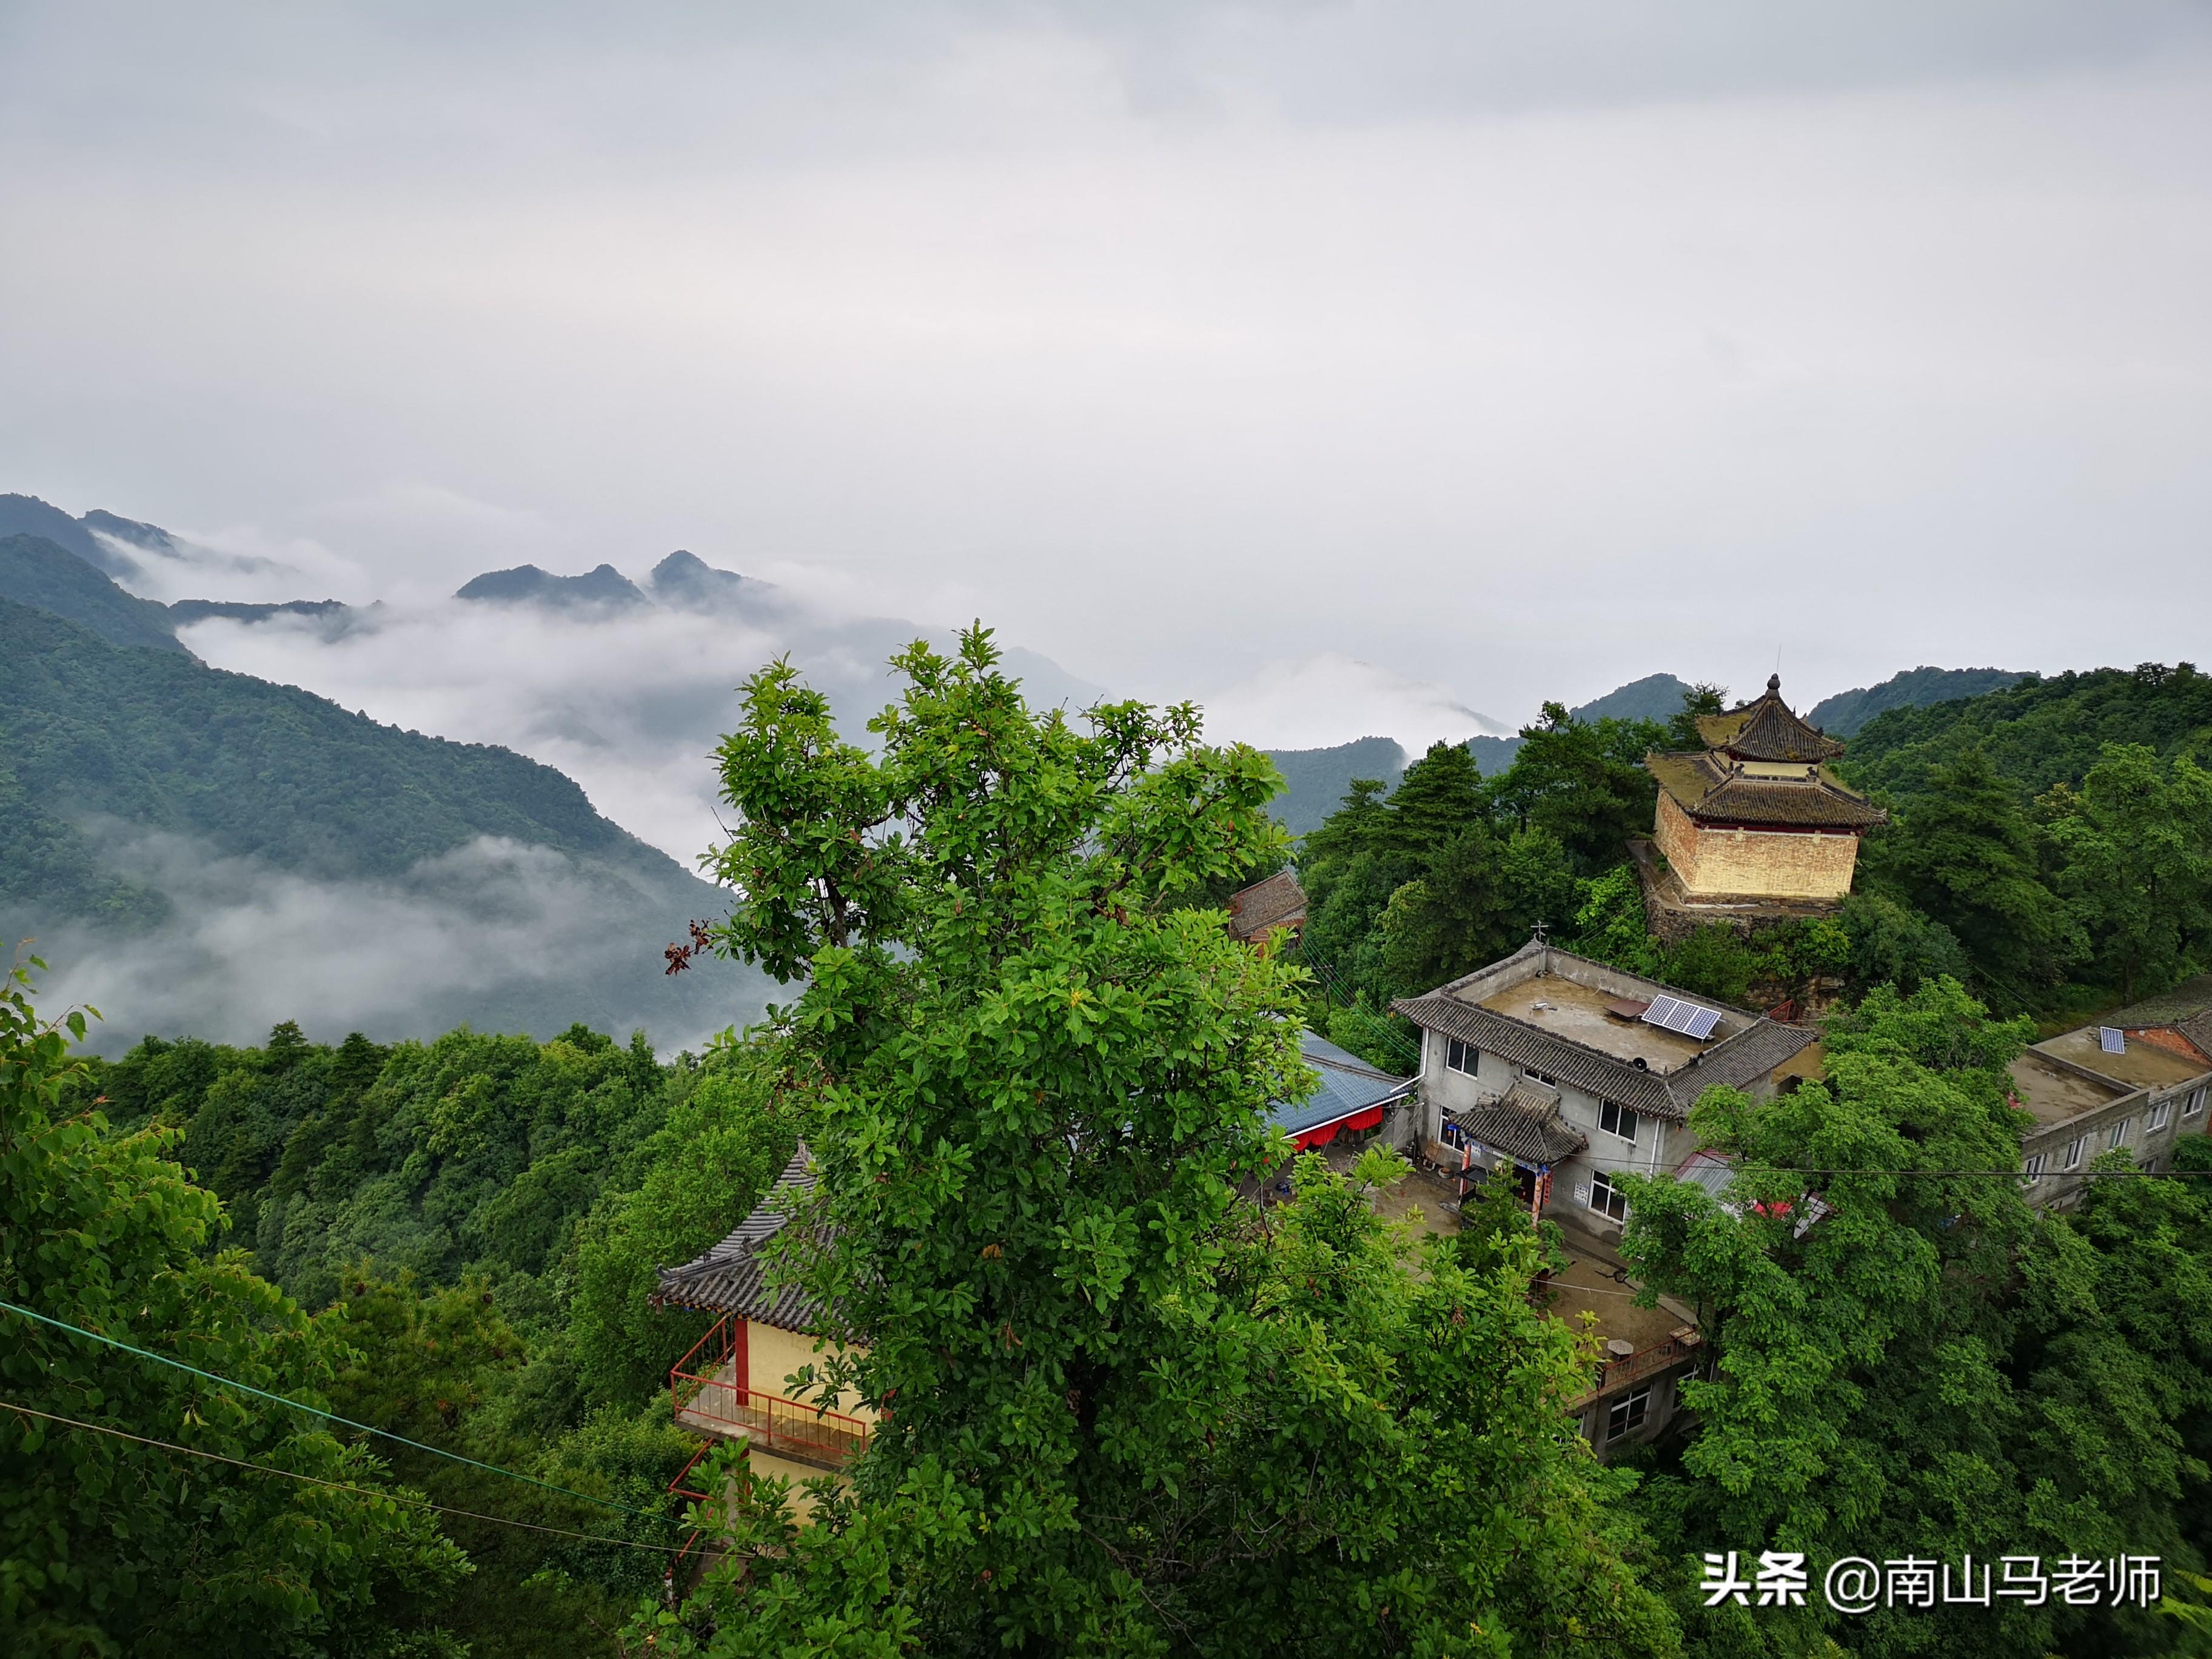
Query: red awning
<point x="1321" y="1133"/>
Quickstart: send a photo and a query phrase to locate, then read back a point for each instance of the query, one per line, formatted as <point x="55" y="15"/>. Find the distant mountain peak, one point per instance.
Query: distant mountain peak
<point x="685" y="582"/>
<point x="151" y="537"/>
<point x="26" y="515"/>
<point x="526" y="584"/>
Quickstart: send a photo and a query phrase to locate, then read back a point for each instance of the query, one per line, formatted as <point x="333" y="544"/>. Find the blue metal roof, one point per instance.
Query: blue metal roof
<point x="1348" y="1085"/>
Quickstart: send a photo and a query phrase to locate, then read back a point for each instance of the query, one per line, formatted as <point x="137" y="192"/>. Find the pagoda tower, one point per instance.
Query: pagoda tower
<point x="1756" y="818"/>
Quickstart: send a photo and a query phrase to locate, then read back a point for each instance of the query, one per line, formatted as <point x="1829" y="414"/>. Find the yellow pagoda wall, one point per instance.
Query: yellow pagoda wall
<point x="1778" y="863"/>
<point x="773" y="1355"/>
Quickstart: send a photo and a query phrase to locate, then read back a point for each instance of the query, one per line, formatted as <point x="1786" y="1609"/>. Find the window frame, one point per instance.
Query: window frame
<point x="2032" y="1167"/>
<point x="2196" y="1102"/>
<point x="2116" y="1136"/>
<point x="2075" y="1149"/>
<point x="1601" y="1179"/>
<point x="1631" y="1412"/>
<point x="1455" y="1051"/>
<point x="2161" y="1114"/>
<point x="1544" y="1078"/>
<point x="1621" y="1114"/>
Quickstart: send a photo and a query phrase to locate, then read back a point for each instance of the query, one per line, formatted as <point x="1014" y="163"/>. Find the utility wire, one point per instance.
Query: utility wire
<point x="340" y="1485"/>
<point x="317" y="1411"/>
<point x="1332" y="985"/>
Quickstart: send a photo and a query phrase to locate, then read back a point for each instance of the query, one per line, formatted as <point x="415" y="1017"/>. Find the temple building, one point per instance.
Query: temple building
<point x="1756" y="826"/>
<point x="736" y="1384"/>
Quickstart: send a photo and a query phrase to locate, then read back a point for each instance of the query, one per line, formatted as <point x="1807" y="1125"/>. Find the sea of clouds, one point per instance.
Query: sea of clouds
<point x="495" y="934"/>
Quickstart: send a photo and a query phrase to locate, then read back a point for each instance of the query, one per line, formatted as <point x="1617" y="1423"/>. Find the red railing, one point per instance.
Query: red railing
<point x="707" y="1391"/>
<point x="1645" y="1362"/>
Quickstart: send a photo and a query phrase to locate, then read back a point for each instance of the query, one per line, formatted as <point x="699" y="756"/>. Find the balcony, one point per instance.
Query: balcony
<point x="1683" y="1348"/>
<point x="708" y="1393"/>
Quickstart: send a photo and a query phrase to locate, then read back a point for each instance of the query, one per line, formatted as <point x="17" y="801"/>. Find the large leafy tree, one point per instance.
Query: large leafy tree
<point x="1965" y="855"/>
<point x="1584" y="781"/>
<point x="2135" y="840"/>
<point x="1481" y="895"/>
<point x="1907" y="1355"/>
<point x="109" y="1546"/>
<point x="1118" y="1414"/>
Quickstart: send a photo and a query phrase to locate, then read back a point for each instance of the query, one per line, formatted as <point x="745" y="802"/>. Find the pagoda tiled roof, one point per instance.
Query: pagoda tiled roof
<point x="1710" y="791"/>
<point x="732" y="1277"/>
<point x="1767" y="730"/>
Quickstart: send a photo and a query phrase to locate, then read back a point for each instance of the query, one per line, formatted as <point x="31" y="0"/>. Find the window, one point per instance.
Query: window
<point x="1461" y="1056"/>
<point x="1617" y="1121"/>
<point x="1609" y="1200"/>
<point x="2196" y="1102"/>
<point x="1628" y="1413"/>
<point x="2117" y="1135"/>
<point x="1539" y="1077"/>
<point x="2161" y="1114"/>
<point x="2033" y="1168"/>
<point x="2074" y="1148"/>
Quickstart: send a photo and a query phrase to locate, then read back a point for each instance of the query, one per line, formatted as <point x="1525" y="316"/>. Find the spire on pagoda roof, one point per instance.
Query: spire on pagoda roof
<point x="1767" y="730"/>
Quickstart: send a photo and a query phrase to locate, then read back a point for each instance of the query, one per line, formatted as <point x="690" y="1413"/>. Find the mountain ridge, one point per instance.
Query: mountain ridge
<point x="143" y="790"/>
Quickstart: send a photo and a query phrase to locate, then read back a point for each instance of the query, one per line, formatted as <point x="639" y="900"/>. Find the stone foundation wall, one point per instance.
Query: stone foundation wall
<point x="1673" y="914"/>
<point x="1754" y="864"/>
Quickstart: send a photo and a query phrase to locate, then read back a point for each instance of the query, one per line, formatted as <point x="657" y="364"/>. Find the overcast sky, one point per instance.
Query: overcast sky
<point x="1287" y="355"/>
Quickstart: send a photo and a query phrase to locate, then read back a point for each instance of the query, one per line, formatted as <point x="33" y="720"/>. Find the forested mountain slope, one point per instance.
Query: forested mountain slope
<point x="1315" y="779"/>
<point x="172" y="804"/>
<point x="26" y="515"/>
<point x="46" y="575"/>
<point x="2041" y="732"/>
<point x="1847" y="712"/>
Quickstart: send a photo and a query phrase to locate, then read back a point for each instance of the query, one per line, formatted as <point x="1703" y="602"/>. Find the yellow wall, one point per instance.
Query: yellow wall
<point x="773" y="1355"/>
<point x="768" y="1463"/>
<point x="1754" y="863"/>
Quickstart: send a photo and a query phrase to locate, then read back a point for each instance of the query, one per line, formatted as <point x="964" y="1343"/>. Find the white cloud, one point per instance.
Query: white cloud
<point x="1322" y="700"/>
<point x="1502" y="344"/>
<point x="630" y="705"/>
<point x="238" y="564"/>
<point x="505" y="936"/>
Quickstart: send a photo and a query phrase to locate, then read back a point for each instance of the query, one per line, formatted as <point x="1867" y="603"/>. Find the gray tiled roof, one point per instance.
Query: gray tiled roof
<point x="1348" y="1085"/>
<point x="1766" y="729"/>
<point x="1708" y="791"/>
<point x="732" y="1277"/>
<point x="2198" y="1029"/>
<point x="1277" y="901"/>
<point x="1734" y="1062"/>
<point x="1524" y="1123"/>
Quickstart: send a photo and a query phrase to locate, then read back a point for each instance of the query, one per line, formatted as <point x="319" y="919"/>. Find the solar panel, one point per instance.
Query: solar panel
<point x="2112" y="1040"/>
<point x="1673" y="1014"/>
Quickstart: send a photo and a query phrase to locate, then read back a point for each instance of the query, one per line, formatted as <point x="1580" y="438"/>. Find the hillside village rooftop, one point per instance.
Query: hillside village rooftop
<point x="1566" y="1019"/>
<point x="1597" y="1019"/>
<point x="2070" y="1074"/>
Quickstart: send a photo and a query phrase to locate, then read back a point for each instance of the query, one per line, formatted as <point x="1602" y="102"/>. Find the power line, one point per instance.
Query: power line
<point x="340" y="1485"/>
<point x="317" y="1411"/>
<point x="1331" y="984"/>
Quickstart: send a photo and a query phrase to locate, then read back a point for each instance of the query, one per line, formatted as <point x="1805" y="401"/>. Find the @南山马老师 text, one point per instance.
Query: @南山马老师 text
<point x="1856" y="1583"/>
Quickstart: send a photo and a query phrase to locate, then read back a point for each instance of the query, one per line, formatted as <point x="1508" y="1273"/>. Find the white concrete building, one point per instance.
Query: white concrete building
<point x="1557" y="1065"/>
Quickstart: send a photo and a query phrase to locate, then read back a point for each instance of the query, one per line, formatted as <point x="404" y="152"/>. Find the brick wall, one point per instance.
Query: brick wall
<point x="1754" y="863"/>
<point x="2163" y="1036"/>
